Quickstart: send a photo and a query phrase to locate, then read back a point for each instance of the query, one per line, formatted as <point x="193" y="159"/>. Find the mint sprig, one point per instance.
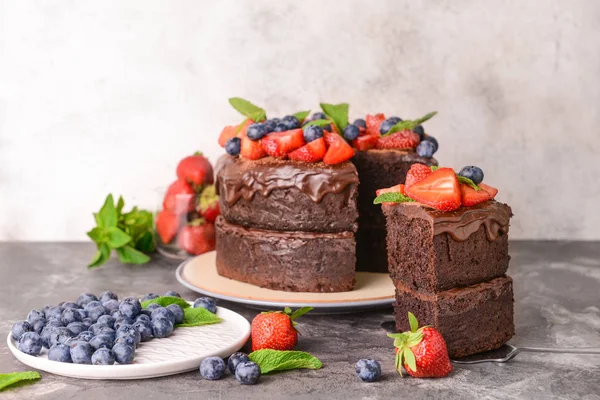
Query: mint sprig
<point x="408" y="124"/>
<point x="301" y="115"/>
<point x="319" y="122"/>
<point x="197" y="317"/>
<point x="248" y="109"/>
<point x="129" y="234"/>
<point x="279" y="360"/>
<point x="338" y="113"/>
<point x="164" y="301"/>
<point x="468" y="181"/>
<point x="7" y="380"/>
<point x="392" y="197"/>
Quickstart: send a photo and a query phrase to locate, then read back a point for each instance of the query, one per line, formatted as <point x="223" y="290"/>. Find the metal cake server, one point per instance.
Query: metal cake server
<point x="508" y="352"/>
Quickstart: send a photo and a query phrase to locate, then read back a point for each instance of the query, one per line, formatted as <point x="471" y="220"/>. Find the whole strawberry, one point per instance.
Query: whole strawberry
<point x="197" y="237"/>
<point x="422" y="351"/>
<point x="180" y="198"/>
<point x="195" y="169"/>
<point x="276" y="329"/>
<point x="208" y="204"/>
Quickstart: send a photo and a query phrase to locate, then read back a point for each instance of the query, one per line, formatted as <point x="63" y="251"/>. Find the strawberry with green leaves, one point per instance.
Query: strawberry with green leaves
<point x="208" y="204"/>
<point x="276" y="329"/>
<point x="422" y="351"/>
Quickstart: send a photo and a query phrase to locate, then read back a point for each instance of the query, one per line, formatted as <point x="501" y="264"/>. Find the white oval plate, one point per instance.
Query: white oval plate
<point x="181" y="352"/>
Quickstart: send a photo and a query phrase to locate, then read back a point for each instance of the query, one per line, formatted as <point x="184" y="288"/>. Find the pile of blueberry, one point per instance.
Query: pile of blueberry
<point x="244" y="370"/>
<point x="98" y="330"/>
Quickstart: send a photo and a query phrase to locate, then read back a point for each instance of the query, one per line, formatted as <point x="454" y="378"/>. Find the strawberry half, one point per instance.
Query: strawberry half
<point x="470" y="196"/>
<point x="339" y="150"/>
<point x="279" y="144"/>
<point x="399" y="140"/>
<point x="374" y="123"/>
<point x="310" y="152"/>
<point x="252" y="150"/>
<point x="227" y="133"/>
<point x="394" y="189"/>
<point x="417" y="173"/>
<point x="440" y="190"/>
<point x="365" y="142"/>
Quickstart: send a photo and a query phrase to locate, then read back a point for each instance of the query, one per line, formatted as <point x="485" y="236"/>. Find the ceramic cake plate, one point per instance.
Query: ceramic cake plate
<point x="181" y="352"/>
<point x="372" y="290"/>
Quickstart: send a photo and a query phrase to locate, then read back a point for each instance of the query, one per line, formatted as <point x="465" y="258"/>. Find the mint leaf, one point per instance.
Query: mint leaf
<point x="248" y="109"/>
<point x="434" y="168"/>
<point x="120" y="205"/>
<point x="145" y="242"/>
<point x="15" y="377"/>
<point x="164" y="301"/>
<point x="98" y="235"/>
<point x="468" y="181"/>
<point x="117" y="238"/>
<point x="107" y="216"/>
<point x="277" y="360"/>
<point x="102" y="255"/>
<point x="129" y="255"/>
<point x="301" y="115"/>
<point x="393" y="197"/>
<point x="198" y="316"/>
<point x="319" y="122"/>
<point x="408" y="124"/>
<point x="338" y="113"/>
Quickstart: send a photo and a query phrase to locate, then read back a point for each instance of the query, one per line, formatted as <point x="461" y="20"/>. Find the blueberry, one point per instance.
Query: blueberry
<point x="161" y="327"/>
<point x="97" y="312"/>
<point x="107" y="296"/>
<point x="87" y="322"/>
<point x="327" y="128"/>
<point x="130" y="307"/>
<point x="145" y="312"/>
<point x="35" y="315"/>
<point x="72" y="342"/>
<point x="92" y="304"/>
<point x="100" y="341"/>
<point x="419" y="130"/>
<point x="206" y="302"/>
<point x="123" y="353"/>
<point x="30" y="343"/>
<point x="81" y="353"/>
<point x="60" y="352"/>
<point x="233" y="145"/>
<point x="318" y="115"/>
<point x="163" y="312"/>
<point x="143" y="318"/>
<point x="291" y="122"/>
<point x="45" y="335"/>
<point x="280" y="127"/>
<point x="85" y="298"/>
<point x="98" y="329"/>
<point x="111" y="305"/>
<point x="129" y="330"/>
<point x="103" y="356"/>
<point x="368" y="370"/>
<point x="116" y="314"/>
<point x="70" y="304"/>
<point x="351" y="132"/>
<point x="247" y="373"/>
<point x="106" y="320"/>
<point x="77" y="327"/>
<point x="54" y="321"/>
<point x="473" y="173"/>
<point x="212" y="368"/>
<point x="82" y="312"/>
<point x="38" y="326"/>
<point x="426" y="149"/>
<point x="177" y="312"/>
<point x="257" y="131"/>
<point x="388" y="123"/>
<point x="126" y="340"/>
<point x="172" y="293"/>
<point x="312" y="132"/>
<point x="149" y="296"/>
<point x="60" y="335"/>
<point x="70" y="315"/>
<point x="55" y="312"/>
<point x="235" y="359"/>
<point x="19" y="328"/>
<point x="432" y="140"/>
<point x="152" y="307"/>
<point x="85" y="336"/>
<point x="269" y="126"/>
<point x="145" y="330"/>
<point x="360" y="123"/>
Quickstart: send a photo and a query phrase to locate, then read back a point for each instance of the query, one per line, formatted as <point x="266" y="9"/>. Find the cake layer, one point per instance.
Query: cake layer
<point x="290" y="261"/>
<point x="471" y="319"/>
<point x="378" y="169"/>
<point x="285" y="195"/>
<point x="432" y="251"/>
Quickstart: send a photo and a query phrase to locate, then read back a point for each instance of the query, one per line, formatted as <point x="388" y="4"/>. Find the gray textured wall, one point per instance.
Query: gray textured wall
<point x="106" y="96"/>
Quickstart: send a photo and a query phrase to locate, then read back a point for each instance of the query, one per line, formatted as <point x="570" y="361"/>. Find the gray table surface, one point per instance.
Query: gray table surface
<point x="557" y="291"/>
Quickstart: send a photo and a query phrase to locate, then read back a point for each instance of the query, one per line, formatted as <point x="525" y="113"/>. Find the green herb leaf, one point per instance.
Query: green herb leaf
<point x="338" y="113"/>
<point x="409" y="358"/>
<point x="102" y="255"/>
<point x="120" y="205"/>
<point x="277" y="360"/>
<point x="412" y="320"/>
<point x="164" y="301"/>
<point x="108" y="216"/>
<point x="129" y="255"/>
<point x="408" y="124"/>
<point x="319" y="122"/>
<point x="393" y="197"/>
<point x="15" y="377"/>
<point x="301" y="115"/>
<point x="198" y="316"/>
<point x="117" y="238"/>
<point x="300" y="312"/>
<point x="98" y="235"/>
<point x="434" y="168"/>
<point x="248" y="109"/>
<point x="468" y="181"/>
<point x="145" y="242"/>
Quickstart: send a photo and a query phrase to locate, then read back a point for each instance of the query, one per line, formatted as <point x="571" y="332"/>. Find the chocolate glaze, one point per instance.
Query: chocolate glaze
<point x="265" y="175"/>
<point x="461" y="223"/>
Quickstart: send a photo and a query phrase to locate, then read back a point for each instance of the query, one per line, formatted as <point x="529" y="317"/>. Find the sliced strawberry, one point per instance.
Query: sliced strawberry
<point x="417" y="173"/>
<point x="373" y="123"/>
<point x="399" y="140"/>
<point x="394" y="189"/>
<point x="440" y="190"/>
<point x="310" y="152"/>
<point x="339" y="150"/>
<point x="470" y="196"/>
<point x="365" y="142"/>
<point x="242" y="132"/>
<point x="279" y="144"/>
<point x="227" y="133"/>
<point x="167" y="226"/>
<point x="252" y="150"/>
<point x="330" y="138"/>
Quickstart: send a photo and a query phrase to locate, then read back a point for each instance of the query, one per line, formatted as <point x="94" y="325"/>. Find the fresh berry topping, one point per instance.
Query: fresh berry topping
<point x="275" y="330"/>
<point x="232" y="147"/>
<point x="227" y="133"/>
<point x="388" y="123"/>
<point x="426" y="149"/>
<point x="257" y="131"/>
<point x="208" y="204"/>
<point x="368" y="370"/>
<point x="291" y="122"/>
<point x="212" y="368"/>
<point x="394" y="189"/>
<point x="252" y="150"/>
<point x="167" y="225"/>
<point x="365" y="142"/>
<point x="440" y="190"/>
<point x="318" y="115"/>
<point x="417" y="173"/>
<point x="270" y="124"/>
<point x="195" y="169"/>
<point x="419" y="130"/>
<point x="310" y="152"/>
<point x="374" y="123"/>
<point x="123" y="353"/>
<point x="198" y="237"/>
<point x="328" y="128"/>
<point x="470" y="196"/>
<point x="280" y="127"/>
<point x="247" y="373"/>
<point x="399" y="140"/>
<point x="312" y="132"/>
<point x="351" y="132"/>
<point x="179" y="198"/>
<point x="473" y="173"/>
<point x="361" y="123"/>
<point x="432" y="140"/>
<point x="279" y="144"/>
<point x="338" y="151"/>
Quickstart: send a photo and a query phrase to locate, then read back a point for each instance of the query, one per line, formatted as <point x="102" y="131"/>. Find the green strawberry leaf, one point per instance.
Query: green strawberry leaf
<point x="164" y="301"/>
<point x="434" y="168"/>
<point x="412" y="320"/>
<point x="117" y="238"/>
<point x="409" y="358"/>
<point x="393" y="197"/>
<point x="15" y="377"/>
<point x="468" y="181"/>
<point x="397" y="335"/>
<point x="408" y="124"/>
<point x="338" y="113"/>
<point x="197" y="317"/>
<point x="108" y="217"/>
<point x="279" y="360"/>
<point x="248" y="109"/>
<point x="319" y="122"/>
<point x="300" y="312"/>
<point x="414" y="339"/>
<point x="102" y="255"/>
<point x="129" y="255"/>
<point x="301" y="115"/>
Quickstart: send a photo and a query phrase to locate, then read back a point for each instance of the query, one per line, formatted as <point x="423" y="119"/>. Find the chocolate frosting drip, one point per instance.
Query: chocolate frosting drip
<point x="238" y="178"/>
